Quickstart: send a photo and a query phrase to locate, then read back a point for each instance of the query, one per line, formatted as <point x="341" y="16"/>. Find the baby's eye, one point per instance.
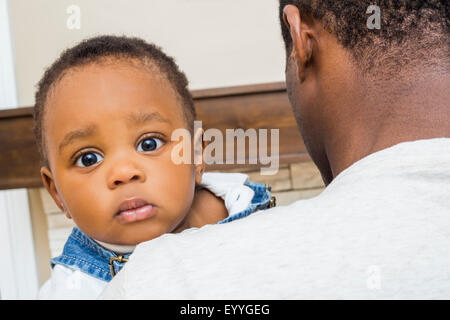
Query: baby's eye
<point x="88" y="159"/>
<point x="150" y="144"/>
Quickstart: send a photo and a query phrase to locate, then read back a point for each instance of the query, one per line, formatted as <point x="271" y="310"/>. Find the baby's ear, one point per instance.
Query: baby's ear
<point x="199" y="164"/>
<point x="49" y="184"/>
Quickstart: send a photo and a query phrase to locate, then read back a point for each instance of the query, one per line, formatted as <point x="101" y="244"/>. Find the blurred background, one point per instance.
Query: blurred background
<point x="231" y="52"/>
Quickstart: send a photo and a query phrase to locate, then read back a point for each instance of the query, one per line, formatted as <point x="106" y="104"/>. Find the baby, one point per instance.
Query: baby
<point x="104" y="115"/>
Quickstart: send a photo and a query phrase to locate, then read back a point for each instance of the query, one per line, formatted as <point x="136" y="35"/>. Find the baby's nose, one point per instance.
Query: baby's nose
<point x="124" y="174"/>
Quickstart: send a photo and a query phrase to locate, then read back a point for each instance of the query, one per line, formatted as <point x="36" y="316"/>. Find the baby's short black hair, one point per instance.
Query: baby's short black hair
<point x="409" y="30"/>
<point x="95" y="49"/>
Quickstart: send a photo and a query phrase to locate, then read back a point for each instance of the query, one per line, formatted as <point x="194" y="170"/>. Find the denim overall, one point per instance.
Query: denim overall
<point x="82" y="253"/>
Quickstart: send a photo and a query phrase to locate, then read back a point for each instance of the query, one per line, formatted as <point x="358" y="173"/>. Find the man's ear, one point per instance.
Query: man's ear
<point x="199" y="145"/>
<point x="302" y="38"/>
<point x="49" y="184"/>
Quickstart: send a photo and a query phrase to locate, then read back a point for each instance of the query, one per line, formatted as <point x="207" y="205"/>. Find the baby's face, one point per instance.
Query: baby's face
<point x="108" y="130"/>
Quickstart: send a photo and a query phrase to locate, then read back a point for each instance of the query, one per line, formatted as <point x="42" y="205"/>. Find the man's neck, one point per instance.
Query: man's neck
<point x="388" y="115"/>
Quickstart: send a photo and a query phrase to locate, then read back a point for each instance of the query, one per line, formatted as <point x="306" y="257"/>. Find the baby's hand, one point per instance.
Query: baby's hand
<point x="206" y="209"/>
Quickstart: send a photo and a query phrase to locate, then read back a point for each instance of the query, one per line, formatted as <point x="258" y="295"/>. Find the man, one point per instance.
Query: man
<point x="372" y="105"/>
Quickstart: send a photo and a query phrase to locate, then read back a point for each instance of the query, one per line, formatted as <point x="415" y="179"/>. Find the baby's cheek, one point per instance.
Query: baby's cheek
<point x="87" y="206"/>
<point x="179" y="186"/>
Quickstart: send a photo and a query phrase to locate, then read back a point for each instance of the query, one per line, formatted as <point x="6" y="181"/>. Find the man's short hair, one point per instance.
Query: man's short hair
<point x="408" y="30"/>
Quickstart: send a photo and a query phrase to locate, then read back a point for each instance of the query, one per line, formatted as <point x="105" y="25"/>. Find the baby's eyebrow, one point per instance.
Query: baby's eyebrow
<point x="141" y="117"/>
<point x="77" y="134"/>
<point x="138" y="117"/>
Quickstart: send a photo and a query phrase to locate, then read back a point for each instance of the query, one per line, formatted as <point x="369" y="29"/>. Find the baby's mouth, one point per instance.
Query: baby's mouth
<point x="133" y="210"/>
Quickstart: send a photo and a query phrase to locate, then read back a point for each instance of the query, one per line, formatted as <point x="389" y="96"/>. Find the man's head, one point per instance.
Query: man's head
<point x="105" y="113"/>
<point x="409" y="30"/>
<point x="336" y="63"/>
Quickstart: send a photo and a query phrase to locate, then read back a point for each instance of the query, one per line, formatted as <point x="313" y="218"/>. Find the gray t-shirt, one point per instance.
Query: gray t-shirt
<point x="380" y="230"/>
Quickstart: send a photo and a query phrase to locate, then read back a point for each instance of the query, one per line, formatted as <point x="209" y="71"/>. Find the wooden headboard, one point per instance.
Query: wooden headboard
<point x="262" y="106"/>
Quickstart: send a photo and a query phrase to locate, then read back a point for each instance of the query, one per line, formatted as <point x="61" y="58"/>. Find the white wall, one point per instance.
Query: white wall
<point x="8" y="94"/>
<point x="216" y="42"/>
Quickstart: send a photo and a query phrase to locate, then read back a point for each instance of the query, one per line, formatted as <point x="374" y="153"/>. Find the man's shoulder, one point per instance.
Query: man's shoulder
<point x="377" y="231"/>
